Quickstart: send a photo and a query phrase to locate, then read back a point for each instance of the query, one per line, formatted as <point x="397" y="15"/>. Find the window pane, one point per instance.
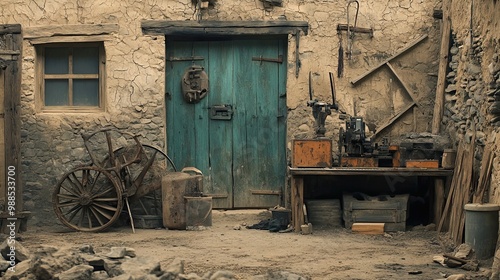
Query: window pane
<point x="86" y="92"/>
<point x="56" y="60"/>
<point x="56" y="93"/>
<point x="86" y="60"/>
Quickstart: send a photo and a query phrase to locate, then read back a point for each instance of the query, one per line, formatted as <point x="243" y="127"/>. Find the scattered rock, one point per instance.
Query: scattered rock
<point x="238" y="227"/>
<point x="82" y="263"/>
<point x="79" y="272"/>
<point x="279" y="275"/>
<point x="130" y="252"/>
<point x="12" y="247"/>
<point x="176" y="267"/>
<point x="463" y="251"/>
<point x="141" y="266"/>
<point x="4" y="265"/>
<point x="456" y="277"/>
<point x="117" y="253"/>
<point x="99" y="275"/>
<point x="222" y="275"/>
<point x="22" y="270"/>
<point x="87" y="249"/>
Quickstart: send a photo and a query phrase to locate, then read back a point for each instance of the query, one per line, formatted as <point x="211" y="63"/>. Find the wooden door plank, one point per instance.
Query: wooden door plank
<point x="3" y="194"/>
<point x="219" y="146"/>
<point x="400" y="52"/>
<point x="245" y="160"/>
<point x="258" y="167"/>
<point x="180" y="118"/>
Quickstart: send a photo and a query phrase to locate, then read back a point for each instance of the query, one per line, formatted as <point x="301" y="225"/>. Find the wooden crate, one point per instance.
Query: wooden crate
<point x="21" y="222"/>
<point x="359" y="162"/>
<point x="312" y="153"/>
<point x="324" y="212"/>
<point x="422" y="163"/>
<point x="390" y="210"/>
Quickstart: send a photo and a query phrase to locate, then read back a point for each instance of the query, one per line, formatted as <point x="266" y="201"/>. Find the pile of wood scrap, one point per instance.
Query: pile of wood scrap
<point x="460" y="258"/>
<point x="453" y="215"/>
<point x="465" y="188"/>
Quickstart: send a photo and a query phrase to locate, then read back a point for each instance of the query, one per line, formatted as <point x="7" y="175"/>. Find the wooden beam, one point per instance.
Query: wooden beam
<point x="443" y="65"/>
<point x="370" y="171"/>
<point x="394" y="118"/>
<point x="10" y="29"/>
<point x="212" y="28"/>
<point x="405" y="49"/>
<point x="439" y="200"/>
<point x="343" y="27"/>
<point x="403" y="84"/>
<point x="368" y="228"/>
<point x="69" y="30"/>
<point x="12" y="109"/>
<point x="70" y="39"/>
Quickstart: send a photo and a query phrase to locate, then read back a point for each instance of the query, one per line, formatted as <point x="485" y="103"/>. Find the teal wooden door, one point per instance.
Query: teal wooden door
<point x="242" y="159"/>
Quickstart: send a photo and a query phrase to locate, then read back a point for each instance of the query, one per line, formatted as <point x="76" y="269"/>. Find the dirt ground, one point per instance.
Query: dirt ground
<point x="326" y="254"/>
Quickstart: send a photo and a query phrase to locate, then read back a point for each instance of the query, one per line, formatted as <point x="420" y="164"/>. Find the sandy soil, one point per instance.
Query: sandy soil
<point x="326" y="254"/>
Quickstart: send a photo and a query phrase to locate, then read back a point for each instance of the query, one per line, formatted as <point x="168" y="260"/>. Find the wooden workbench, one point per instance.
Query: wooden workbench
<point x="297" y="183"/>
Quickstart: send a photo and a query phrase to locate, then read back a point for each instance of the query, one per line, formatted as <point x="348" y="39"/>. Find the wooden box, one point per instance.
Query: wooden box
<point x="422" y="163"/>
<point x="312" y="153"/>
<point x="324" y="212"/>
<point x="378" y="209"/>
<point x="359" y="162"/>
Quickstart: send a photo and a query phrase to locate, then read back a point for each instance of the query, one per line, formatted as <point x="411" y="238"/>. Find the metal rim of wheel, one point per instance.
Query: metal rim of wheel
<point x="149" y="186"/>
<point x="88" y="199"/>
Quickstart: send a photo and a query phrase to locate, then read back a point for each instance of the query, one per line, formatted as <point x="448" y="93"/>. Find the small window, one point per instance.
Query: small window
<point x="72" y="76"/>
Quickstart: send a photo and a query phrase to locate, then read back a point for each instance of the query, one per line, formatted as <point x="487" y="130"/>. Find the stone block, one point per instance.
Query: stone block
<point x="79" y="272"/>
<point x="117" y="253"/>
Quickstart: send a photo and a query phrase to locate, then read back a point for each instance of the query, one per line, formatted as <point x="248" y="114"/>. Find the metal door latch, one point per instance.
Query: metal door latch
<point x="221" y="112"/>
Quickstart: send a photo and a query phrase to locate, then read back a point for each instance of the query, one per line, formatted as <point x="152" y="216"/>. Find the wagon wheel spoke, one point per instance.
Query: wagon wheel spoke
<point x="96" y="215"/>
<point x="88" y="199"/>
<point x="73" y="211"/>
<point x="146" y="176"/>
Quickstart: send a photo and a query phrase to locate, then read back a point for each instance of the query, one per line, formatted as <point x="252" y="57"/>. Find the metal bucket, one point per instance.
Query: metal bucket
<point x="481" y="228"/>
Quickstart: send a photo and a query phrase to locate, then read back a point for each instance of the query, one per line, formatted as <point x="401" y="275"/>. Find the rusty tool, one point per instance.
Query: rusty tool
<point x="306" y="228"/>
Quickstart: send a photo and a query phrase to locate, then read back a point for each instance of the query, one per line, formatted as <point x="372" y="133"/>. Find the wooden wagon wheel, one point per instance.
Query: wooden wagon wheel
<point x="88" y="198"/>
<point x="142" y="178"/>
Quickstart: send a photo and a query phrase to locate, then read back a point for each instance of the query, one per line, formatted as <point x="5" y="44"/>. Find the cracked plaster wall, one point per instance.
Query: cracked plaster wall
<point x="51" y="143"/>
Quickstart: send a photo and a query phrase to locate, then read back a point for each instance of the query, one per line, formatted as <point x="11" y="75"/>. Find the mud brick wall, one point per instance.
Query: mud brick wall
<point x="135" y="69"/>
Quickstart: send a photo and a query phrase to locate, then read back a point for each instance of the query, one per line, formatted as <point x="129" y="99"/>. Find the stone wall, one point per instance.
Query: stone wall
<point x="473" y="92"/>
<point x="51" y="142"/>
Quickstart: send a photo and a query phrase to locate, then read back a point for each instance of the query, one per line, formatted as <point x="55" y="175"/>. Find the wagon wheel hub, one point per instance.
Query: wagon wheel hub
<point x="85" y="200"/>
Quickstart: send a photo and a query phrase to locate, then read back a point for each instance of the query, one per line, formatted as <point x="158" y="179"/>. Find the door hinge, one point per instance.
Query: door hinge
<point x="185" y="58"/>
<point x="267" y="59"/>
<point x="265" y="192"/>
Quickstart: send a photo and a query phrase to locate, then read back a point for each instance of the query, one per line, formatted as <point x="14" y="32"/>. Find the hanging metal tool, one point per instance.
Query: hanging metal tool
<point x="350" y="33"/>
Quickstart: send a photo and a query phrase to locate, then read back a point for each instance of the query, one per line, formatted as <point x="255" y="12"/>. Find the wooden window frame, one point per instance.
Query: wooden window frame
<point x="41" y="77"/>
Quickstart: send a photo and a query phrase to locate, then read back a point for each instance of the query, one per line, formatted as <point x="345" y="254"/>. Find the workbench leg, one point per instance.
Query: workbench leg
<point x="438" y="199"/>
<point x="297" y="186"/>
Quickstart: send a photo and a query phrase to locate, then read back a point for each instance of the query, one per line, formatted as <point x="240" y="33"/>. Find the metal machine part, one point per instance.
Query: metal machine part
<point x="353" y="140"/>
<point x="194" y="84"/>
<point x="321" y="109"/>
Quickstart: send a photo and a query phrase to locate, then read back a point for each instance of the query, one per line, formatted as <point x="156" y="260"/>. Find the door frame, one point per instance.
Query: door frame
<point x="204" y="29"/>
<point x="278" y="187"/>
<point x="10" y="66"/>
